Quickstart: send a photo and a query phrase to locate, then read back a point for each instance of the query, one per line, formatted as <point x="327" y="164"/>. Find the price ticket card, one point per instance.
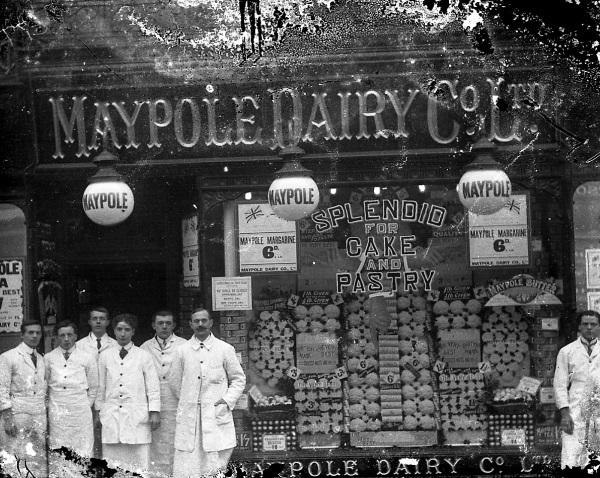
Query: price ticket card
<point x="274" y="442"/>
<point x="439" y="366"/>
<point x="293" y="373"/>
<point x="529" y="385"/>
<point x="341" y="373"/>
<point x="550" y="324"/>
<point x="485" y="367"/>
<point x="547" y="395"/>
<point x="255" y="393"/>
<point x="513" y="437"/>
<point x="242" y="403"/>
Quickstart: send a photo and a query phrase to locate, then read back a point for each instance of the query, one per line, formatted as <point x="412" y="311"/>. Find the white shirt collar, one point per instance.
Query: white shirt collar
<point x="27" y="348"/>
<point x="127" y="347"/>
<point x="70" y="350"/>
<point x="104" y="338"/>
<point x="207" y="343"/>
<point x="588" y="343"/>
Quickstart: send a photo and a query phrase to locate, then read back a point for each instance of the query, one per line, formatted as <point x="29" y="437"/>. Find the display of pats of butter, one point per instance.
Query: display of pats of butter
<point x="505" y="344"/>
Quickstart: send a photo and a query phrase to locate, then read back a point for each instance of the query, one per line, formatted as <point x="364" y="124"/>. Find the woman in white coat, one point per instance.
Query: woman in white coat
<point x="128" y="399"/>
<point x="208" y="380"/>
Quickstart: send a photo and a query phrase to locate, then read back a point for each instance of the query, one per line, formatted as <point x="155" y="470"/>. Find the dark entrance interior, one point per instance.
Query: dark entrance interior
<point x="136" y="288"/>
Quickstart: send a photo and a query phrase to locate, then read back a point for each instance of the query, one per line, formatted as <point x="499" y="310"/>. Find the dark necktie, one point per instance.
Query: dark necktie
<point x="67" y="355"/>
<point x="122" y="353"/>
<point x="99" y="344"/>
<point x="34" y="359"/>
<point x="590" y="346"/>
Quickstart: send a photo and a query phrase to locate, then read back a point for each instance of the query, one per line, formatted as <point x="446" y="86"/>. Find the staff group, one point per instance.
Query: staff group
<point x="164" y="408"/>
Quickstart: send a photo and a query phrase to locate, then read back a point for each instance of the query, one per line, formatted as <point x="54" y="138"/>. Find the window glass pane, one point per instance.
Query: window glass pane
<point x="586" y="222"/>
<point x="12" y="231"/>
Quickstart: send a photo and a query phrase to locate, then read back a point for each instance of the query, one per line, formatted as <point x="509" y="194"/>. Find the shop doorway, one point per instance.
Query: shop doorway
<point x="137" y="288"/>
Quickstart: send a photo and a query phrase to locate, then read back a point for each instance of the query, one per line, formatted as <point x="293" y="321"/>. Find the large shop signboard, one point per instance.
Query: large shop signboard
<point x="501" y="239"/>
<point x="241" y="119"/>
<point x="266" y="243"/>
<point x="11" y="295"/>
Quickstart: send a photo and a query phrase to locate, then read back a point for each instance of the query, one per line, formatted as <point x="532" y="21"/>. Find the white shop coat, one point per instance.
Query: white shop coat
<point x="201" y="376"/>
<point x="72" y="388"/>
<point x="90" y="345"/>
<point x="573" y="366"/>
<point x="162" y="450"/>
<point x="163" y="359"/>
<point x="129" y="389"/>
<point x="23" y="388"/>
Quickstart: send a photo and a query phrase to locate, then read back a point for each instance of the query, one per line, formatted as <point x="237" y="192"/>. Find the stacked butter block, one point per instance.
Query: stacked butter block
<point x="234" y="330"/>
<point x="389" y="370"/>
<point x="544" y="349"/>
<point x="362" y="394"/>
<point x="418" y="407"/>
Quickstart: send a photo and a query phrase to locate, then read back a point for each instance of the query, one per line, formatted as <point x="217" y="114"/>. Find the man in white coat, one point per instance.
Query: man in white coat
<point x="72" y="377"/>
<point x="23" y="402"/>
<point x="96" y="343"/>
<point x="208" y="380"/>
<point x="573" y="366"/>
<point x="128" y="400"/>
<point x="161" y="347"/>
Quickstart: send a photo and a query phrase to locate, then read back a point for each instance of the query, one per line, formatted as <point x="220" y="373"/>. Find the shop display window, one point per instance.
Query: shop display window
<point x="369" y="329"/>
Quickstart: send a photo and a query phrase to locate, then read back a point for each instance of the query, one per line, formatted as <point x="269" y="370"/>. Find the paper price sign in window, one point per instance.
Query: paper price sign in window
<point x="513" y="437"/>
<point x="485" y="367"/>
<point x="293" y="373"/>
<point x="547" y="395"/>
<point x="255" y="393"/>
<point x="550" y="324"/>
<point x="439" y="366"/>
<point x="274" y="442"/>
<point x="244" y="441"/>
<point x="266" y="243"/>
<point x="529" y="385"/>
<point x="341" y="373"/>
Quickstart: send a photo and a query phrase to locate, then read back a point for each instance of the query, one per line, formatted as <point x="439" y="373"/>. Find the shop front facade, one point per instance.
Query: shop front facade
<point x="390" y="331"/>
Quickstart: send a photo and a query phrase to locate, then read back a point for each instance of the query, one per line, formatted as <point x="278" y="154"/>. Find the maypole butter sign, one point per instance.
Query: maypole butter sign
<point x="501" y="239"/>
<point x="11" y="295"/>
<point x="266" y="243"/>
